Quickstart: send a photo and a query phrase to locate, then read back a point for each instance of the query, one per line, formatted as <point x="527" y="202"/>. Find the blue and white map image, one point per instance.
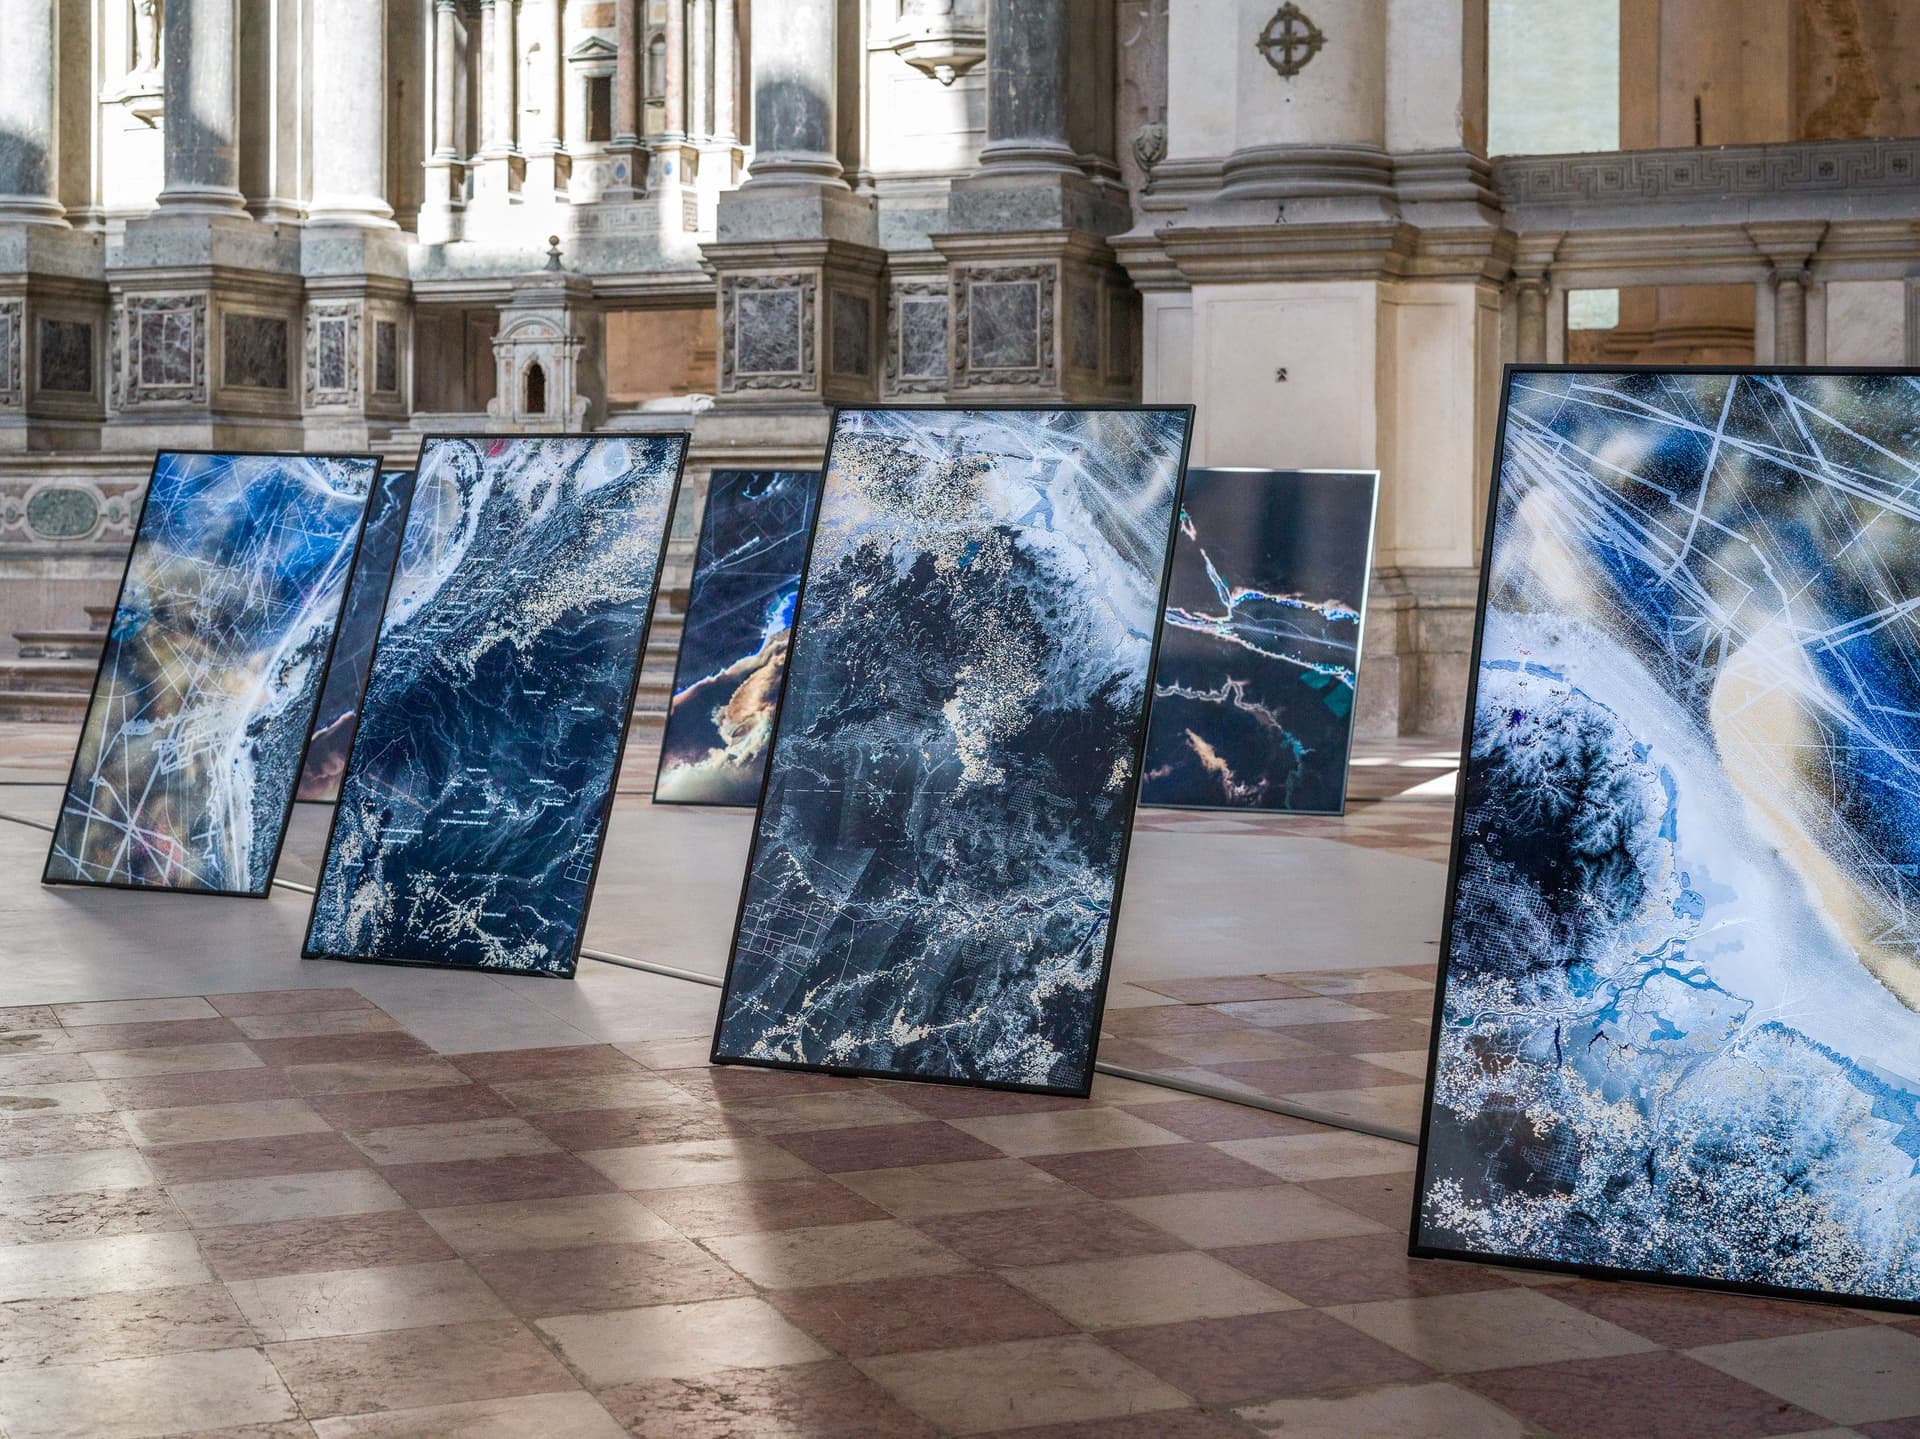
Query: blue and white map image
<point x="476" y="795"/>
<point x="200" y="715"/>
<point x="930" y="892"/>
<point x="1253" y="691"/>
<point x="1680" y="1032"/>
<point x="359" y="623"/>
<point x="733" y="651"/>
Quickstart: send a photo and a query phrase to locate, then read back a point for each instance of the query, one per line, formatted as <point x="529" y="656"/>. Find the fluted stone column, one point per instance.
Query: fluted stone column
<point x="350" y="97"/>
<point x="446" y="68"/>
<point x="1027" y="48"/>
<point x="201" y="108"/>
<point x="29" y="144"/>
<point x="794" y="115"/>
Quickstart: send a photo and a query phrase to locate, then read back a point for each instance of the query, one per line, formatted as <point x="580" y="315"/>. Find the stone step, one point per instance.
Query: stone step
<point x="60" y="644"/>
<point x="42" y="705"/>
<point x="49" y="676"/>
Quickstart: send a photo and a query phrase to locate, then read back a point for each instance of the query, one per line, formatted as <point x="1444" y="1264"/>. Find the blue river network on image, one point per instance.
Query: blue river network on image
<point x="192" y="742"/>
<point x="359" y="623"/>
<point x="931" y="886"/>
<point x="1253" y="691"/>
<point x="733" y="650"/>
<point x="470" y="816"/>
<point x="1680" y="1031"/>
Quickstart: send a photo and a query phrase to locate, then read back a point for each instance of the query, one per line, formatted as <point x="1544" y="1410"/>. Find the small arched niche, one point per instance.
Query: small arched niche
<point x="534" y="389"/>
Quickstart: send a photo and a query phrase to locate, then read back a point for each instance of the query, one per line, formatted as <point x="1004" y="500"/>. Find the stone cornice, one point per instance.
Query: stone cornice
<point x="1806" y="180"/>
<point x="1176" y="256"/>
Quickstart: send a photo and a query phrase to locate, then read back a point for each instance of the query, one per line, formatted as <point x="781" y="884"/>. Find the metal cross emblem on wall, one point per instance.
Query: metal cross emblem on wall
<point x="1290" y="40"/>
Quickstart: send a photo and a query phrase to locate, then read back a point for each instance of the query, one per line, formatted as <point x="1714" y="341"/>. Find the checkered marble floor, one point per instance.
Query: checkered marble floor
<point x="1350" y="1044"/>
<point x="278" y="1214"/>
<point x="1353" y="1045"/>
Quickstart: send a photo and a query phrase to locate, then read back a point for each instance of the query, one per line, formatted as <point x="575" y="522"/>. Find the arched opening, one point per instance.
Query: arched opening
<point x="535" y="402"/>
<point x="657" y="69"/>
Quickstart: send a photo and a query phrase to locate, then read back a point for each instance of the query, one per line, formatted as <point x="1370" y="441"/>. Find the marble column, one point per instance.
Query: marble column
<point x="29" y="153"/>
<point x="674" y="127"/>
<point x="446" y="66"/>
<point x="700" y="70"/>
<point x="1027" y="47"/>
<point x="794" y="119"/>
<point x="554" y="77"/>
<point x="726" y="71"/>
<point x="445" y="166"/>
<point x="201" y="108"/>
<point x="349" y="55"/>
<point x="629" y="66"/>
<point x="503" y="61"/>
<point x="480" y="45"/>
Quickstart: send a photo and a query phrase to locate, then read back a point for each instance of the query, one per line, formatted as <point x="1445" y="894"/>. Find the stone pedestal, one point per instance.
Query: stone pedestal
<point x="205" y="348"/>
<point x="1042" y="314"/>
<point x="356" y="340"/>
<point x="800" y="321"/>
<point x="53" y="311"/>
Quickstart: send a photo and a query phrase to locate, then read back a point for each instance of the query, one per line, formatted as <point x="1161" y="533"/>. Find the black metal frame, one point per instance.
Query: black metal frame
<point x="626" y="712"/>
<point x="1359" y="649"/>
<point x="1133" y="791"/>
<point x="693" y="583"/>
<point x="353" y="579"/>
<point x="1415" y="1248"/>
<point x="306" y="742"/>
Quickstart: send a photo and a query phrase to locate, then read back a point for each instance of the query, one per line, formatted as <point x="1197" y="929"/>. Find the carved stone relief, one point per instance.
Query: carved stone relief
<point x="333" y="353"/>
